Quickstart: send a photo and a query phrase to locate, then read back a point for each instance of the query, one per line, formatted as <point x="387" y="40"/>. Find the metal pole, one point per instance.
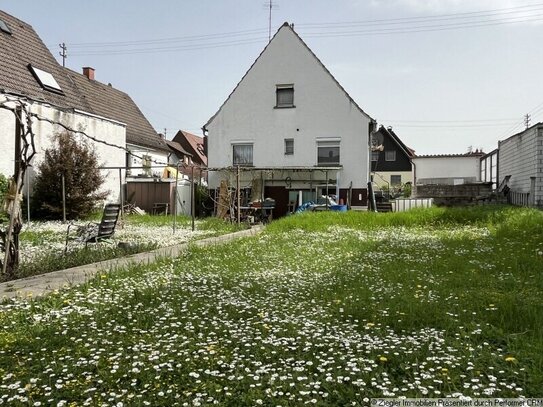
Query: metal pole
<point x="326" y="173"/>
<point x="192" y="197"/>
<point x="27" y="195"/>
<point x="121" y="195"/>
<point x="63" y="199"/>
<point x="239" y="197"/>
<point x="176" y="198"/>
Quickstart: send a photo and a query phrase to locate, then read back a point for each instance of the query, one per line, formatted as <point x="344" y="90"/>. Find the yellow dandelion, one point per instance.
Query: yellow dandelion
<point x="511" y="359"/>
<point x="370" y="324"/>
<point x="383" y="359"/>
<point x="102" y="276"/>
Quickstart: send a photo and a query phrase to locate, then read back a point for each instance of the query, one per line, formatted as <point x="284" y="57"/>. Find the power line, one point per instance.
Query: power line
<point x="402" y="25"/>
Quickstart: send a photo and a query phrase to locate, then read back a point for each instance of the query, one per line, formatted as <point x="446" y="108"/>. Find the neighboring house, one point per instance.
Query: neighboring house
<point x="447" y="169"/>
<point x="141" y="139"/>
<point x="489" y="168"/>
<point x="178" y="155"/>
<point x="30" y="74"/>
<point x="391" y="164"/>
<point x="520" y="161"/>
<point x="194" y="145"/>
<point x="292" y="128"/>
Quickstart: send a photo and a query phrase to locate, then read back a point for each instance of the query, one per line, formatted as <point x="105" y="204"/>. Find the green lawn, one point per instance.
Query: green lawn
<point x="321" y="308"/>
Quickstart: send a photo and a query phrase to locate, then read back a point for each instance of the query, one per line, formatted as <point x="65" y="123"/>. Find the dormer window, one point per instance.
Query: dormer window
<point x="4" y="27"/>
<point x="284" y="95"/>
<point x="45" y="79"/>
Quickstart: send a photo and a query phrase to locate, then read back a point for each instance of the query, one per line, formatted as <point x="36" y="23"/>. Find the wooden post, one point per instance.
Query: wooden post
<point x="121" y="194"/>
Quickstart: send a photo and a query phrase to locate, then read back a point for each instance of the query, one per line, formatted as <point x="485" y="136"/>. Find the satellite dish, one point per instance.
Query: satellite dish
<point x="377" y="141"/>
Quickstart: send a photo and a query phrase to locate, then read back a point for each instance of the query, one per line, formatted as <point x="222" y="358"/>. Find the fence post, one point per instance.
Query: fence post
<point x="63" y="199"/>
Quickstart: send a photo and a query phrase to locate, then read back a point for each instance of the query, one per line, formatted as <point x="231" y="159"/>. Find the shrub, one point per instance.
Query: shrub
<point x="3" y="191"/>
<point x="78" y="162"/>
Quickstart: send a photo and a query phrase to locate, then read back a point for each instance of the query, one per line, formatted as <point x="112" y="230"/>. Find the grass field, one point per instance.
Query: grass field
<point x="320" y="309"/>
<point x="42" y="243"/>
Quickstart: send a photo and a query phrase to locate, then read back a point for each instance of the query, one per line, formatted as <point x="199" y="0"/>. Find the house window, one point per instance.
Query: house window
<point x="243" y="154"/>
<point x="390" y="155"/>
<point x="395" y="180"/>
<point x="375" y="155"/>
<point x="289" y="146"/>
<point x="4" y="27"/>
<point x="284" y="96"/>
<point x="328" y="153"/>
<point x="45" y="79"/>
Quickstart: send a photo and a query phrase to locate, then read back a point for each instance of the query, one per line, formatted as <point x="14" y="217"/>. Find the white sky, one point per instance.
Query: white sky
<point x="446" y="74"/>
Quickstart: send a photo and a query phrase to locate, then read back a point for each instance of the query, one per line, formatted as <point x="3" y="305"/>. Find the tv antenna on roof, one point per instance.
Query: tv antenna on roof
<point x="270" y="5"/>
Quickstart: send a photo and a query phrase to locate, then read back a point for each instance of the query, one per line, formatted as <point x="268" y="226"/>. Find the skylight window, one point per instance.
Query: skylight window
<point x="45" y="79"/>
<point x="4" y="27"/>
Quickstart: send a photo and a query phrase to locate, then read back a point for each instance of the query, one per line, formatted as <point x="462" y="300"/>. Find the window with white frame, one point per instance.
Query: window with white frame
<point x="242" y="154"/>
<point x="289" y="146"/>
<point x="284" y="95"/>
<point x="45" y="79"/>
<point x="375" y="155"/>
<point x="395" y="180"/>
<point x="328" y="153"/>
<point x="390" y="155"/>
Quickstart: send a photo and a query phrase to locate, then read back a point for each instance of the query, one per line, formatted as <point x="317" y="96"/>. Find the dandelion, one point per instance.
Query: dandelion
<point x="383" y="359"/>
<point x="511" y="359"/>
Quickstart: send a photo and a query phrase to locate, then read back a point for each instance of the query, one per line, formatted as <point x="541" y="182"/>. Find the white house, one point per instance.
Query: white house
<point x="30" y="74"/>
<point x="447" y="169"/>
<point x="520" y="161"/>
<point x="294" y="125"/>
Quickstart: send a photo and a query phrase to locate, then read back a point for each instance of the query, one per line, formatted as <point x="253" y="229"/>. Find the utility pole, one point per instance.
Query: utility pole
<point x="63" y="53"/>
<point x="527" y="119"/>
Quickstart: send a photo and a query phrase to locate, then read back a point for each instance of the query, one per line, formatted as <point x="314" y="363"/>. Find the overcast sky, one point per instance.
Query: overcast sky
<point x="446" y="74"/>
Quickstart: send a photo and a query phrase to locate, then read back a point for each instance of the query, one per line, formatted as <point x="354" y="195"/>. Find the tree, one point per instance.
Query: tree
<point x="78" y="163"/>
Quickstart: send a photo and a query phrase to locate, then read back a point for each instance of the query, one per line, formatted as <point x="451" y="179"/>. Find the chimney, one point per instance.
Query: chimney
<point x="88" y="72"/>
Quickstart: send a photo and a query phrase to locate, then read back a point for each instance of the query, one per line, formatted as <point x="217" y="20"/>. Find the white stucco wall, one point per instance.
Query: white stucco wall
<point x="101" y="129"/>
<point x="322" y="111"/>
<point x="521" y="156"/>
<point x="451" y="168"/>
<point x="159" y="160"/>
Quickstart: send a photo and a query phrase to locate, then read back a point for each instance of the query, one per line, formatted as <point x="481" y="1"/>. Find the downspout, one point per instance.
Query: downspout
<point x="372" y="125"/>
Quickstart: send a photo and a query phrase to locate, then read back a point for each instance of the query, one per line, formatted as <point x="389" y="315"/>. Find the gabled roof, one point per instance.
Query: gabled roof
<point x="193" y="144"/>
<point x="394" y="137"/>
<point x="177" y="148"/>
<point x="105" y="100"/>
<point x="287" y="26"/>
<point x="23" y="47"/>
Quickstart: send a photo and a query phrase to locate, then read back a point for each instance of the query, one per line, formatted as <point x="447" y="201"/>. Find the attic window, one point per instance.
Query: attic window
<point x="284" y="96"/>
<point x="45" y="79"/>
<point x="4" y="27"/>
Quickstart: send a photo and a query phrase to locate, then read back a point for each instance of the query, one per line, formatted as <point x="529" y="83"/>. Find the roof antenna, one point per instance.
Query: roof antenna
<point x="63" y="53"/>
<point x="270" y="5"/>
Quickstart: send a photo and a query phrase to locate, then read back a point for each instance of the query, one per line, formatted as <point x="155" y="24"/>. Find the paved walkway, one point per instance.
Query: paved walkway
<point x="43" y="284"/>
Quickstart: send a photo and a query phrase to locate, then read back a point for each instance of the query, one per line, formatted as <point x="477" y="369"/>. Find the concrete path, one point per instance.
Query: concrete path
<point x="45" y="283"/>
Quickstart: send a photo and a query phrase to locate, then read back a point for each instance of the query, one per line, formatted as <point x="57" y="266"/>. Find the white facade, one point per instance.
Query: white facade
<point x="322" y="113"/>
<point x="521" y="157"/>
<point x="100" y="128"/>
<point x="142" y="157"/>
<point x="449" y="170"/>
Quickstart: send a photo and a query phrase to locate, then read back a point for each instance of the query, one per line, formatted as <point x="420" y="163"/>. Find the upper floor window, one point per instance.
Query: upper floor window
<point x="289" y="146"/>
<point x="242" y="154"/>
<point x="4" y="27"/>
<point x="284" y="95"/>
<point x="375" y="155"/>
<point x="390" y="155"/>
<point x="328" y="153"/>
<point x="45" y="79"/>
